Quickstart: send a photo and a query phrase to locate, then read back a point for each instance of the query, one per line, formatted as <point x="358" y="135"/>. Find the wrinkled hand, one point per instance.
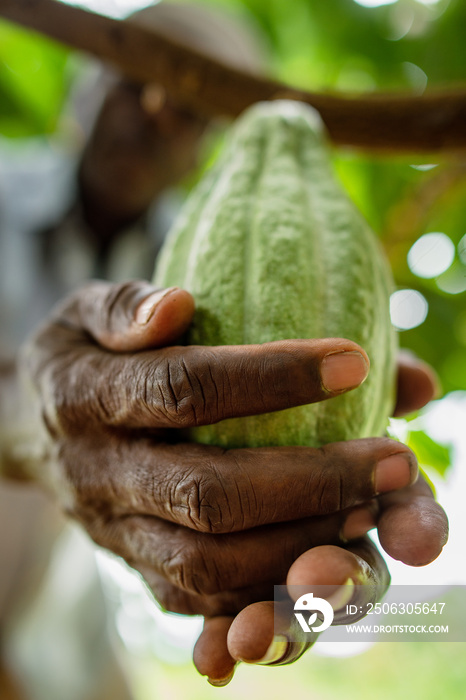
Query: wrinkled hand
<point x="197" y="521"/>
<point x="411" y="527"/>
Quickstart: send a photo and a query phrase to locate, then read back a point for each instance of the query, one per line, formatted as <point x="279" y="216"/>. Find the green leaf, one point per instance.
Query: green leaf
<point x="430" y="453"/>
<point x="33" y="82"/>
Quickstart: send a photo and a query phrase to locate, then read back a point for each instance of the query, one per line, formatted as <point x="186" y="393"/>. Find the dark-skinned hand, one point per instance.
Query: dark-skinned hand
<point x="197" y="521"/>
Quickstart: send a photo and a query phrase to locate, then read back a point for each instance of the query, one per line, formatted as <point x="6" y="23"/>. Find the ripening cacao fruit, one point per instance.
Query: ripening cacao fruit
<point x="271" y="247"/>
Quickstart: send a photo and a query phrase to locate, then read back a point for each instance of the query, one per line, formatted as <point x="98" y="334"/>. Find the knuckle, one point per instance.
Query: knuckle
<point x="203" y="500"/>
<point x="181" y="387"/>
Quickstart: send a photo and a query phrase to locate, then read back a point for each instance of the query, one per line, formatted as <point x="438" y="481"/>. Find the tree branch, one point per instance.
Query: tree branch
<point x="395" y="122"/>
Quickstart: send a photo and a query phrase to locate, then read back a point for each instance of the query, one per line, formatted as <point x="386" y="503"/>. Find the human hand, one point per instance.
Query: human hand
<point x="411" y="527"/>
<point x="195" y="520"/>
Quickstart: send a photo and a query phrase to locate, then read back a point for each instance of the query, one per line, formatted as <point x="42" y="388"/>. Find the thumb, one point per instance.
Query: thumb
<point x="131" y="316"/>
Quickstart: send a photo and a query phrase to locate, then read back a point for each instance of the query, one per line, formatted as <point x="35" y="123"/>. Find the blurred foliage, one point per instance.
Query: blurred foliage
<point x="387" y="671"/>
<point x="33" y="82"/>
<point x="331" y="45"/>
<point x="428" y="452"/>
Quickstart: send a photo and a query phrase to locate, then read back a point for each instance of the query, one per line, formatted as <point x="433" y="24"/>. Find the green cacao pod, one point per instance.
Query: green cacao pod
<point x="271" y="247"/>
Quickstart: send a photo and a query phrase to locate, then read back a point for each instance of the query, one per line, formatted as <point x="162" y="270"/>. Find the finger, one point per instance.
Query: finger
<point x="356" y="573"/>
<point x="130" y="316"/>
<point x="265" y="633"/>
<point x="181" y="387"/>
<point x="412" y="527"/>
<point x="203" y="564"/>
<point x="231" y="602"/>
<point x="417" y="384"/>
<point x="211" y="490"/>
<point x="211" y="656"/>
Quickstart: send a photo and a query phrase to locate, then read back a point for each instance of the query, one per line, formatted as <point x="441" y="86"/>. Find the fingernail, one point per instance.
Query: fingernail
<point x="276" y="650"/>
<point x="392" y="473"/>
<point x="358" y="522"/>
<point x="343" y="370"/>
<point x="220" y="684"/>
<point x="146" y="308"/>
<point x="342" y="595"/>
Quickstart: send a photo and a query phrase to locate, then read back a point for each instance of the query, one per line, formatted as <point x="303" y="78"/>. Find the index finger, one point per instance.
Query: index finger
<point x="184" y="387"/>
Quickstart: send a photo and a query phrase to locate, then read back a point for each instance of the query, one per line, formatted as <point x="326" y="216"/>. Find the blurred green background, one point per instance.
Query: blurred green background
<point x="332" y="45"/>
<point x="386" y="672"/>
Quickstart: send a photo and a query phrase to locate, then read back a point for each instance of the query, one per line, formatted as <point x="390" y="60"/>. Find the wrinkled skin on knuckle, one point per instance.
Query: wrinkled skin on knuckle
<point x="156" y="391"/>
<point x="200" y="497"/>
<point x="193" y="386"/>
<point x="170" y="391"/>
<point x="181" y="389"/>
